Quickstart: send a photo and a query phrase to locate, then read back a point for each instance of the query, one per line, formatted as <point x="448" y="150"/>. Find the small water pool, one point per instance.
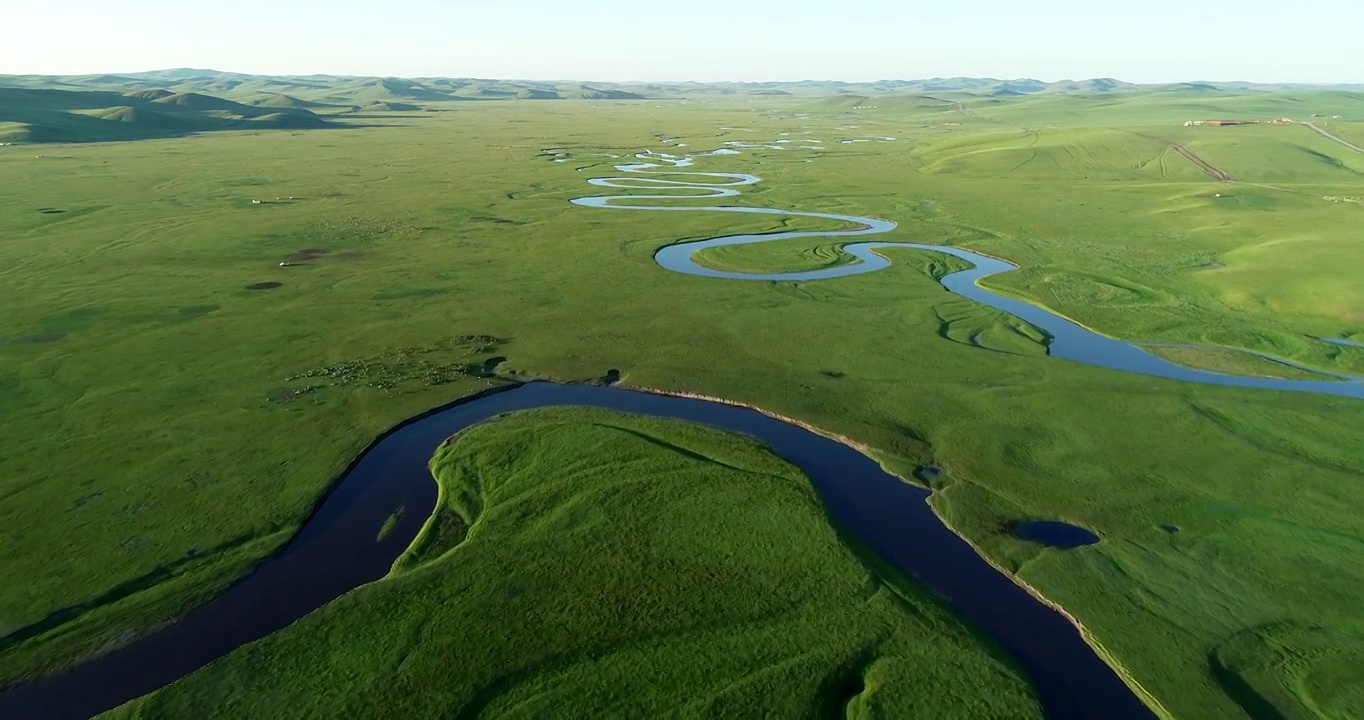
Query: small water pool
<point x="1054" y="533"/>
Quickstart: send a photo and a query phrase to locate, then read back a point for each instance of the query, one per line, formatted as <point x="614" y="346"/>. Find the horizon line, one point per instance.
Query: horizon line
<point x="699" y="82"/>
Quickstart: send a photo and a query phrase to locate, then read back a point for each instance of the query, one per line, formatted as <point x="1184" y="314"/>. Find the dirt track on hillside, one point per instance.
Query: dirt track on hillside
<point x="1205" y="166"/>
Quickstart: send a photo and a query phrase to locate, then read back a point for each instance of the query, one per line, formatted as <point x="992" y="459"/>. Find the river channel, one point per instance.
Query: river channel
<point x="1067" y="339"/>
<point x="336" y="551"/>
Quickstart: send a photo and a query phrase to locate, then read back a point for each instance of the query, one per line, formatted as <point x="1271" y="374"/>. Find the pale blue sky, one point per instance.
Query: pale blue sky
<point x="1136" y="40"/>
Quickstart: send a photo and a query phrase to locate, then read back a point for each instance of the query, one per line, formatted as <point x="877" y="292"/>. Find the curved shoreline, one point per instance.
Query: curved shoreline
<point x="335" y="552"/>
<point x="292" y="575"/>
<point x="1099" y="648"/>
<point x="1069" y="339"/>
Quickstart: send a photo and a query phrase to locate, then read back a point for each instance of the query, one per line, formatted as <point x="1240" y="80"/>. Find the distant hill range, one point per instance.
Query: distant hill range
<point x="75" y="108"/>
<point x="343" y="90"/>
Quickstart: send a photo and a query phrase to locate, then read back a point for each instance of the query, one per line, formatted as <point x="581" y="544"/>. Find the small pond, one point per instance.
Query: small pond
<point x="1054" y="533"/>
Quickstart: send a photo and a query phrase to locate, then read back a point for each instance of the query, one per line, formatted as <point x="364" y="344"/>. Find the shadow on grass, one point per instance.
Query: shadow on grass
<point x="72" y="116"/>
<point x="684" y="452"/>
<point x="448" y="531"/>
<point x="118" y="593"/>
<point x="1256" y="706"/>
<point x="841" y="688"/>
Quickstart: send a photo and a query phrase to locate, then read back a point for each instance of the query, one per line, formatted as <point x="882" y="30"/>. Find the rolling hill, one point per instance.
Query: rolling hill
<point x="346" y="91"/>
<point x="72" y="108"/>
<point x="32" y="115"/>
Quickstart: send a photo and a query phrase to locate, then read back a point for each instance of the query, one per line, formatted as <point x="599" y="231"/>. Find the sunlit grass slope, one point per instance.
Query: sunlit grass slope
<point x="695" y="575"/>
<point x="1076" y="154"/>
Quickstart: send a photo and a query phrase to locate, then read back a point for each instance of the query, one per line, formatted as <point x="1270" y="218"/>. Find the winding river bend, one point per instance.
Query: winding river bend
<point x="336" y="551"/>
<point x="1068" y="339"/>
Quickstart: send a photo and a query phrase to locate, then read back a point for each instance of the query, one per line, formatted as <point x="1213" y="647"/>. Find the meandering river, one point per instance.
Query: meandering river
<point x="1068" y="340"/>
<point x="336" y="550"/>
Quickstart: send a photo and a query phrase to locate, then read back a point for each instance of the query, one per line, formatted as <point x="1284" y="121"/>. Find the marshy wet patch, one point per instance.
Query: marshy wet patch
<point x="928" y="473"/>
<point x="1054" y="534"/>
<point x="490" y="366"/>
<point x="268" y="285"/>
<point x="39" y="338"/>
<point x="190" y="312"/>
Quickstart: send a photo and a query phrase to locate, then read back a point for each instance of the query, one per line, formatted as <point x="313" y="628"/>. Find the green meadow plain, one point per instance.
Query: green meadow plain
<point x="166" y="428"/>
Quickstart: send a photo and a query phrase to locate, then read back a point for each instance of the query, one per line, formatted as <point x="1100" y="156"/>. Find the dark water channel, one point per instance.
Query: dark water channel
<point x="336" y="551"/>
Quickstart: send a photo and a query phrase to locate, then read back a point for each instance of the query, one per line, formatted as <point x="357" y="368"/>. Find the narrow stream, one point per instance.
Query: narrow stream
<point x="1068" y="339"/>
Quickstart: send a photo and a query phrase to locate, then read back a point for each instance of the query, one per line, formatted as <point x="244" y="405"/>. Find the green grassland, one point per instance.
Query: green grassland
<point x="1233" y="362"/>
<point x="1349" y="131"/>
<point x="166" y="427"/>
<point x="695" y="574"/>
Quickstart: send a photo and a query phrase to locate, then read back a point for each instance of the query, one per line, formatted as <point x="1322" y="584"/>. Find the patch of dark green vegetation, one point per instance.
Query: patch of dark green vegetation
<point x="428" y="365"/>
<point x="445" y="530"/>
<point x="1322" y="673"/>
<point x="158" y="576"/>
<point x="350" y="232"/>
<point x="190" y="312"/>
<point x="39" y="339"/>
<point x="389" y="523"/>
<point x="290" y="394"/>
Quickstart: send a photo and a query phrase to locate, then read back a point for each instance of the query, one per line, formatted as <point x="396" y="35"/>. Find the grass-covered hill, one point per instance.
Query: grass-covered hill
<point x="70" y="108"/>
<point x="347" y="90"/>
<point x="57" y="115"/>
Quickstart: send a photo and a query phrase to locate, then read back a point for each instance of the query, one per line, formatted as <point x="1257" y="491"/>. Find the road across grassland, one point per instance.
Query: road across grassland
<point x="1330" y="136"/>
<point x="1205" y="166"/>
